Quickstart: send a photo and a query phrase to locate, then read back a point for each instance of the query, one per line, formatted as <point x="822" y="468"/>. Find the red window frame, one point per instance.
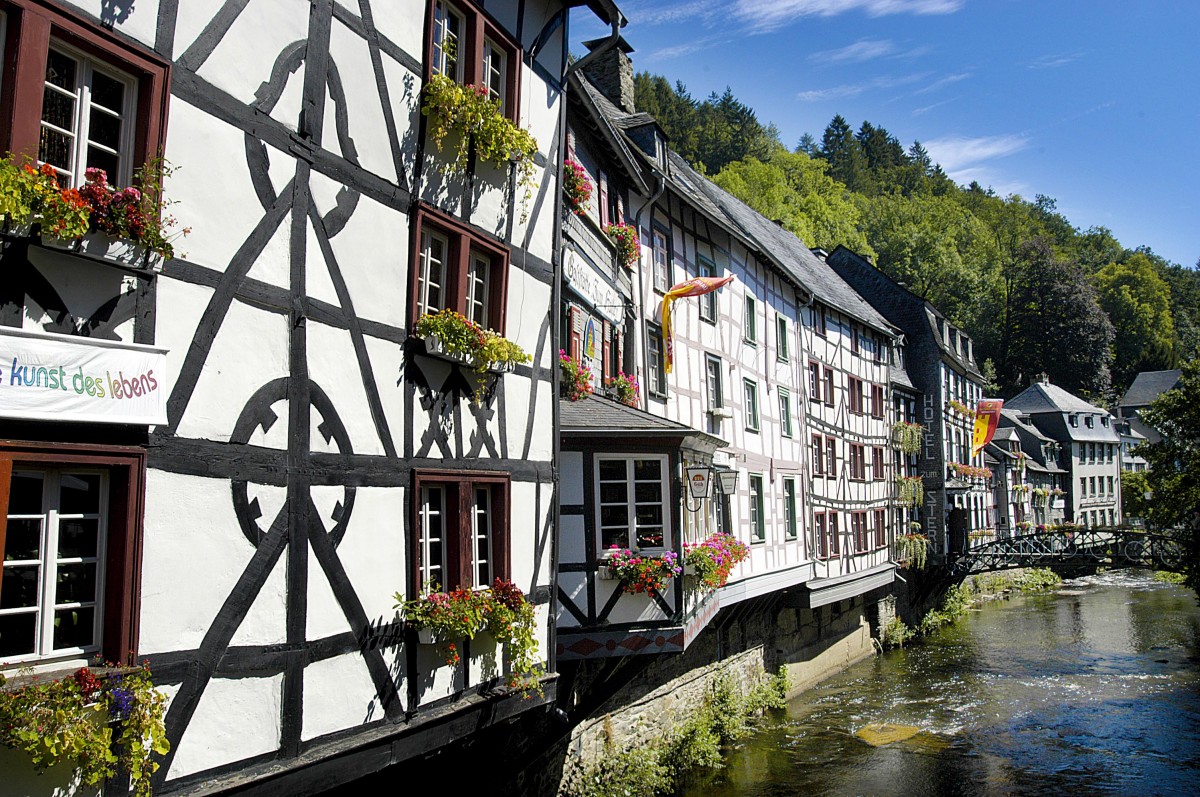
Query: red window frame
<point x="835" y="543"/>
<point x="855" y="341"/>
<point x="876" y="401"/>
<point x="458" y="517"/>
<point x="858" y="529"/>
<point x="479" y="27"/>
<point x="819" y="531"/>
<point x="819" y="322"/>
<point x="123" y="559"/>
<point x="877" y="463"/>
<point x="831" y="458"/>
<point x="814" y="381"/>
<point x="31" y="24"/>
<point x="463" y="240"/>
<point x="858" y="462"/>
<point x="818" y="455"/>
<point x="854" y="394"/>
<point x="880" y="528"/>
<point x="829" y="387"/>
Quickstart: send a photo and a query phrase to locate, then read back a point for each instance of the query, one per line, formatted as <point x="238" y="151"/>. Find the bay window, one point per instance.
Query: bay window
<point x="462" y="529"/>
<point x="632" y="508"/>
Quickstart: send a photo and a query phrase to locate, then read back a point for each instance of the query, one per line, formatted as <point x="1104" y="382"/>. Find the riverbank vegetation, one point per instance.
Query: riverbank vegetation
<point x="959" y="598"/>
<point x="646" y="770"/>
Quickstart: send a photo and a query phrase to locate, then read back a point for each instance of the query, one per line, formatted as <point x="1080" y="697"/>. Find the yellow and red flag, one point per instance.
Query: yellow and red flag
<point x="987" y="418"/>
<point x="696" y="286"/>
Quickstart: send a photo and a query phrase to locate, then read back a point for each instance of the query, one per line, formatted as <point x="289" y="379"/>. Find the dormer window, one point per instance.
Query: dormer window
<point x="1089" y="421"/>
<point x="1104" y="421"/>
<point x="1073" y="419"/>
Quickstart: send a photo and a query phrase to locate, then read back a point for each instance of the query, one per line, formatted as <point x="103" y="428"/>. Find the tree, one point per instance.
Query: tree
<point x="1138" y="302"/>
<point x="1174" y="473"/>
<point x="1056" y="325"/>
<point x="808" y="145"/>
<point x="840" y="150"/>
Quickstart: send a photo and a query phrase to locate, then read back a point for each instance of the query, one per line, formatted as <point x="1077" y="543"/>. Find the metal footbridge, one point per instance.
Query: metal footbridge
<point x="1105" y="547"/>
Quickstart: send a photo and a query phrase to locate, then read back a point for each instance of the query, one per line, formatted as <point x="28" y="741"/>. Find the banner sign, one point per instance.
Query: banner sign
<point x="49" y="377"/>
<point x="987" y="418"/>
<point x="696" y="286"/>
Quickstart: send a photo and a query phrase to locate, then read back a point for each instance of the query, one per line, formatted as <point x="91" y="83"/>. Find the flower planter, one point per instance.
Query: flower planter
<point x="425" y="637"/>
<point x="99" y="246"/>
<point x="605" y="573"/>
<point x="436" y="347"/>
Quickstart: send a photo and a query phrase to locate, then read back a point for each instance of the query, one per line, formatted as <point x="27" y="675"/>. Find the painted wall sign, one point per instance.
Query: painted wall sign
<point x="584" y="280"/>
<point x="65" y="378"/>
<point x="589" y="339"/>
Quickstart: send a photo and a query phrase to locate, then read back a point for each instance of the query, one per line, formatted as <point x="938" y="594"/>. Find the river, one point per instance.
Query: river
<point x="1092" y="689"/>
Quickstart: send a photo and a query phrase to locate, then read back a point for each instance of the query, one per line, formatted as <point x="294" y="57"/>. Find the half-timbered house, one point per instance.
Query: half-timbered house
<point x="297" y="459"/>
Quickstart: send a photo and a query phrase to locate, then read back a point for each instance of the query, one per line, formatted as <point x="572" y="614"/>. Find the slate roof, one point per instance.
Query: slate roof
<point x="598" y="415"/>
<point x="1044" y="397"/>
<point x="603" y="114"/>
<point x="1016" y="419"/>
<point x="768" y="239"/>
<point x="787" y="251"/>
<point x="1149" y="385"/>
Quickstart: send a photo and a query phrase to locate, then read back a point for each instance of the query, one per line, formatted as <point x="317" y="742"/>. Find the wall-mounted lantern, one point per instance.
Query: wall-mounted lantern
<point x="727" y="482"/>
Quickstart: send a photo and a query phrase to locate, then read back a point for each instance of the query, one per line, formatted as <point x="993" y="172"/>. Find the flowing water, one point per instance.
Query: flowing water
<point x="1093" y="689"/>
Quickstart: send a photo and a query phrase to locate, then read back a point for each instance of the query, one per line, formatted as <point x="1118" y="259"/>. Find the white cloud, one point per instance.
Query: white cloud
<point x="1054" y="60"/>
<point x="928" y="108"/>
<point x="854" y="89"/>
<point x="765" y="15"/>
<point x="862" y="50"/>
<point x="966" y="159"/>
<point x="946" y="81"/>
<point x="658" y="13"/>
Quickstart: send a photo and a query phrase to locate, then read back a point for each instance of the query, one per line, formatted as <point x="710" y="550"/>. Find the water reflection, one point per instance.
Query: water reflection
<point x="1091" y="691"/>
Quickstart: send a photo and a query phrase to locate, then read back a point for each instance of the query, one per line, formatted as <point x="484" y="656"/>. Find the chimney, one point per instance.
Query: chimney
<point x="612" y="73"/>
<point x="1040" y="379"/>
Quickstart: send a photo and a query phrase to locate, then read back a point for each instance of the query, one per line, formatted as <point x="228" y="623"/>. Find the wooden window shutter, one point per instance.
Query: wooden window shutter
<point x="602" y="184"/>
<point x="576" y="346"/>
<point x="606" y="371"/>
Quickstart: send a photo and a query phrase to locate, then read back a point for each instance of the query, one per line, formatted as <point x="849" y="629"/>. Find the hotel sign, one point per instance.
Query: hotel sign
<point x="593" y="288"/>
<point x="48" y="377"/>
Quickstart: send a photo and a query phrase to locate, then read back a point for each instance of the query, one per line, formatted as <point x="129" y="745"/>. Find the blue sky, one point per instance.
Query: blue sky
<point x="1093" y="102"/>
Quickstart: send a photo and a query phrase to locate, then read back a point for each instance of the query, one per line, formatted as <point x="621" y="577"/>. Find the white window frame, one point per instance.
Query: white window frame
<point x="479" y="286"/>
<point x="785" y="412"/>
<point x="86" y="66"/>
<point x="750" y="393"/>
<point x="757" y="508"/>
<point x="440" y="57"/>
<point x="791" y="525"/>
<point x="631" y="483"/>
<point x="656" y="362"/>
<point x="750" y="320"/>
<point x="494" y="70"/>
<point x="424" y="275"/>
<point x="430" y="570"/>
<point x="661" y="254"/>
<point x="48" y="565"/>
<point x="705" y="267"/>
<point x="781" y="335"/>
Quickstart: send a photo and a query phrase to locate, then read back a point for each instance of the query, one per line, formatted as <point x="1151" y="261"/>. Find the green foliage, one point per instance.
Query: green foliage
<point x="1037" y="579"/>
<point x="636" y="772"/>
<point x="464" y="338"/>
<point x="912" y="551"/>
<point x="895" y="634"/>
<point x="910" y="490"/>
<point x="80" y="721"/>
<point x="768" y="694"/>
<point x="1138" y="302"/>
<point x="476" y="121"/>
<point x="695" y="746"/>
<point x="1170" y="578"/>
<point x="1174" y="465"/>
<point x="1134" y="485"/>
<point x="907" y="436"/>
<point x="954" y="604"/>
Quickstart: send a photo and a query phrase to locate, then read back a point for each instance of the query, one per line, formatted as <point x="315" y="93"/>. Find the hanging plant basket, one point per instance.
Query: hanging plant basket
<point x="907" y="437"/>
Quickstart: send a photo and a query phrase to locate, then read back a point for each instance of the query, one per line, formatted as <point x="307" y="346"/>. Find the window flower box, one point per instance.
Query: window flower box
<point x="712" y="560"/>
<point x="638" y="572"/>
<point x="436" y="346"/>
<point x="720" y="412"/>
<point x="453" y="337"/>
<point x="118" y="251"/>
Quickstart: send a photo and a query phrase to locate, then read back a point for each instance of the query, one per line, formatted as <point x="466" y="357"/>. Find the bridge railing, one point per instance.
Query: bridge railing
<point x="1116" y="547"/>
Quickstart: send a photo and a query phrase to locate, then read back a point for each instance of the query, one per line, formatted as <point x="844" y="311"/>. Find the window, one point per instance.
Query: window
<point x="858" y="467"/>
<point x="462" y="529"/>
<point x="1111" y="486"/>
<point x="858" y="530"/>
<point x="790" y="528"/>
<point x="781" y="338"/>
<point x="829" y="386"/>
<point x="631" y="496"/>
<point x="1092" y="485"/>
<point x="655" y="364"/>
<point x="877" y="463"/>
<point x="876" y="401"/>
<point x="708" y="301"/>
<point x="814" y="381"/>
<point x="78" y="96"/>
<point x="1089" y="422"/>
<point x="1082" y="486"/>
<point x="712" y="382"/>
<point x="835" y="544"/>
<point x="854" y="394"/>
<point x="467" y="48"/>
<point x="69" y="549"/>
<point x="819" y="321"/>
<point x="785" y="412"/>
<point x="818" y="455"/>
<point x="751" y="389"/>
<point x="831" y="457"/>
<point x="855" y="340"/>
<point x="880" y="528"/>
<point x="662" y="260"/>
<point x="459" y="269"/>
<point x="750" y="327"/>
<point x="758" y="522"/>
<point x="821" y="536"/>
<point x="1073" y="420"/>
